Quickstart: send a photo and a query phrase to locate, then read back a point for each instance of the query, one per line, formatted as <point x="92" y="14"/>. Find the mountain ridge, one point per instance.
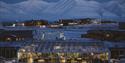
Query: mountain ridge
<point x="62" y="9"/>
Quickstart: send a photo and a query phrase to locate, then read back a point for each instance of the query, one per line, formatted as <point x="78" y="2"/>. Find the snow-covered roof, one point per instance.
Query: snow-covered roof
<point x="70" y="47"/>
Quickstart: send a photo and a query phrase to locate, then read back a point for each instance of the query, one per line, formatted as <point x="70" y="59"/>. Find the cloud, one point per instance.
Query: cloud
<point x="63" y="9"/>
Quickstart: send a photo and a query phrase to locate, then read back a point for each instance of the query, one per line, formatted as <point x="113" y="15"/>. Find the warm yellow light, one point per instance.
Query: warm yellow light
<point x="39" y="23"/>
<point x="41" y="60"/>
<point x="107" y="53"/>
<point x="79" y="58"/>
<point x="43" y="26"/>
<point x="92" y="54"/>
<point x="63" y="61"/>
<point x="22" y="50"/>
<point x="104" y="56"/>
<point x="8" y="38"/>
<point x="107" y="35"/>
<point x="84" y="62"/>
<point x="23" y="24"/>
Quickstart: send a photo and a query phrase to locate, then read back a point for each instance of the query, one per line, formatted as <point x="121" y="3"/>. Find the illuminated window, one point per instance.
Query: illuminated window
<point x="61" y="24"/>
<point x="8" y="39"/>
<point x="41" y="60"/>
<point x="92" y="54"/>
<point x="57" y="47"/>
<point x="23" y="24"/>
<point x="107" y="35"/>
<point x="63" y="61"/>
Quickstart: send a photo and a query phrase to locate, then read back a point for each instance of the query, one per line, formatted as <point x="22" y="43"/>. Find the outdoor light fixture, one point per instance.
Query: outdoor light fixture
<point x="92" y="54"/>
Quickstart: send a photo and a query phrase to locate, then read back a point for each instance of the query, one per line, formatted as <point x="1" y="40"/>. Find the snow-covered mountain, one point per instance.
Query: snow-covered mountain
<point x="62" y="9"/>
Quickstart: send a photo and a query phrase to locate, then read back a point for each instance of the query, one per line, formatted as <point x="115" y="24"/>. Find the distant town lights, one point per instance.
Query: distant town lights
<point x="72" y="23"/>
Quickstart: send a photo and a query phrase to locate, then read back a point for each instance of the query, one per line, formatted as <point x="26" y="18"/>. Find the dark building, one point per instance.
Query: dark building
<point x="106" y="21"/>
<point x="117" y="53"/>
<point x="8" y="49"/>
<point x="111" y="35"/>
<point x="117" y="50"/>
<point x="15" y="35"/>
<point x="67" y="22"/>
<point x="122" y="25"/>
<point x="85" y="21"/>
<point x="8" y="52"/>
<point x="34" y="23"/>
<point x="8" y="24"/>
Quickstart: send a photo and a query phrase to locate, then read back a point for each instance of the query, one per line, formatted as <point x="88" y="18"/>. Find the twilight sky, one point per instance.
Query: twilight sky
<point x="51" y="10"/>
<point x="17" y="1"/>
